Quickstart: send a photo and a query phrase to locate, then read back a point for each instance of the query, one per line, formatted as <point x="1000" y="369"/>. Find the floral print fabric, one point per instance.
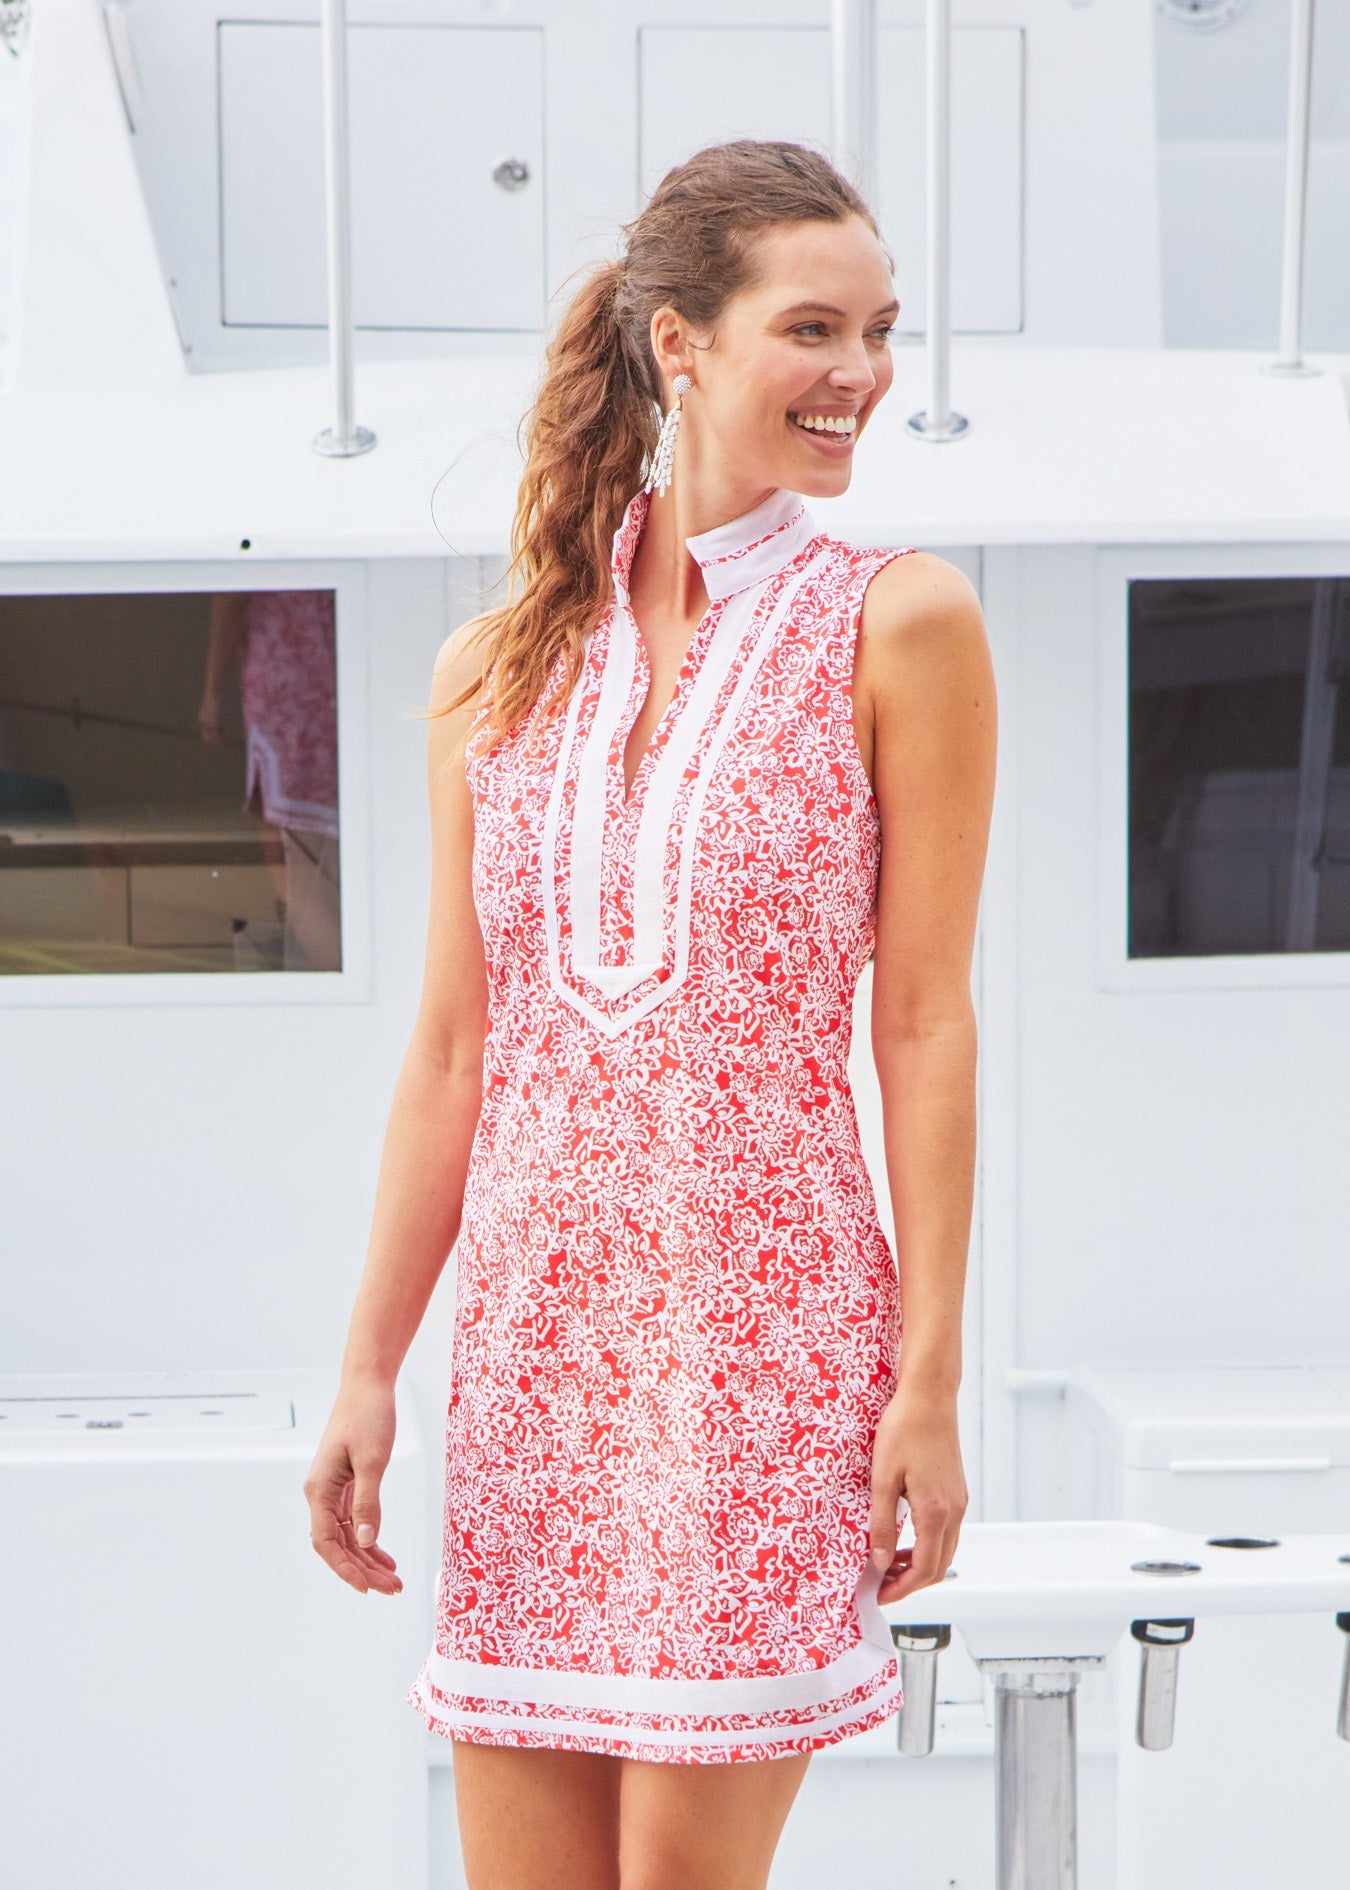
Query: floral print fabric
<point x="677" y="1318"/>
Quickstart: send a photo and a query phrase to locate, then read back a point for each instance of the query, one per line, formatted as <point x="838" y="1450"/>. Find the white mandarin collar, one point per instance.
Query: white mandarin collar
<point x="746" y="551"/>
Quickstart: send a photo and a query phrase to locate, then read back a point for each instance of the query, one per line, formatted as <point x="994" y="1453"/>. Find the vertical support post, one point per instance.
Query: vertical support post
<point x="344" y="439"/>
<point x="1036" y="1769"/>
<point x="938" y="422"/>
<point x="1297" y="136"/>
<point x="853" y="56"/>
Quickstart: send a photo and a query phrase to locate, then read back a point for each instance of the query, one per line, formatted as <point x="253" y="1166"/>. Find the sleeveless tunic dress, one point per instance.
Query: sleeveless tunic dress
<point x="677" y="1319"/>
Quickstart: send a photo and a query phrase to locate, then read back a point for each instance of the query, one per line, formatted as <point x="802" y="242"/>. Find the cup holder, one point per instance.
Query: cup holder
<point x="1242" y="1542"/>
<point x="1166" y="1568"/>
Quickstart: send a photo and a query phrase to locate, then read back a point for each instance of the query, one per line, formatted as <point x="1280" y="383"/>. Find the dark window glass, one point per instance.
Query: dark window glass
<point x="1239" y="744"/>
<point x="168" y="783"/>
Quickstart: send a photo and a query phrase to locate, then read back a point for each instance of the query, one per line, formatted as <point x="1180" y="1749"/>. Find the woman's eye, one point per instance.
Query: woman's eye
<point x="887" y="330"/>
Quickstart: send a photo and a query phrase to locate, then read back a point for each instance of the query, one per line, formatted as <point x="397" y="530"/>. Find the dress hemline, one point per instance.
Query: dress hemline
<point x="628" y="1735"/>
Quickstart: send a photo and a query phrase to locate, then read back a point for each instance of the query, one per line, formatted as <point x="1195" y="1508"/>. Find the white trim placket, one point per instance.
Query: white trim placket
<point x="738" y="561"/>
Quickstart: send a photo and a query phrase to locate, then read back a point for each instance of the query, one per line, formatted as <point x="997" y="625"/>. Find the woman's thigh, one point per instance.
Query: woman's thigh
<point x="533" y="1816"/>
<point x="703" y="1827"/>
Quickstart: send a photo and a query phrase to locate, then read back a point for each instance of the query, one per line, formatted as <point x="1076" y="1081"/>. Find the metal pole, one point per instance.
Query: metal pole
<point x="918" y="1648"/>
<point x="853" y="54"/>
<point x="344" y="439"/>
<point x="1160" y="1645"/>
<point x="1035" y="1769"/>
<point x="938" y="422"/>
<point x="1297" y="136"/>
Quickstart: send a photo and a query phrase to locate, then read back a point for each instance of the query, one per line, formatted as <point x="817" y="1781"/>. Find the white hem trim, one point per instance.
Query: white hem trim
<point x="636" y="1693"/>
<point x="751" y="1736"/>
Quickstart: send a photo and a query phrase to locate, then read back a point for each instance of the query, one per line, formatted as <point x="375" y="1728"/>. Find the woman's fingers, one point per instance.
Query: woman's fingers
<point x="343" y="1488"/>
<point x="883" y="1526"/>
<point x="329" y="1491"/>
<point x="376" y="1564"/>
<point x="926" y="1562"/>
<point x="363" y="1569"/>
<point x="365" y="1509"/>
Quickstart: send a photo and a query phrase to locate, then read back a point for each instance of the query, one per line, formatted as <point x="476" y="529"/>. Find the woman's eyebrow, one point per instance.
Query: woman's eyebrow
<point x="825" y="308"/>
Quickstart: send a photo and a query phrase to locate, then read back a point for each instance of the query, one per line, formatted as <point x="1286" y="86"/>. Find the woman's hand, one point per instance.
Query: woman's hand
<point x="343" y="1487"/>
<point x="916" y="1456"/>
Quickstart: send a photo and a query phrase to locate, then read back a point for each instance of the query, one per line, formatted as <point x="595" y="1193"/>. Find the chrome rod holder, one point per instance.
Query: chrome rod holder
<point x="1160" y="1645"/>
<point x="918" y="1648"/>
<point x="344" y="439"/>
<point x="1343" y="1711"/>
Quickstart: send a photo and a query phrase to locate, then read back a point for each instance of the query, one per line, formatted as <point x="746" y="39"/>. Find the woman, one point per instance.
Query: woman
<point x="669" y="828"/>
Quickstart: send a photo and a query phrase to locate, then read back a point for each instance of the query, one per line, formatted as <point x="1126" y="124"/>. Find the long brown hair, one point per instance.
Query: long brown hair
<point x="593" y="425"/>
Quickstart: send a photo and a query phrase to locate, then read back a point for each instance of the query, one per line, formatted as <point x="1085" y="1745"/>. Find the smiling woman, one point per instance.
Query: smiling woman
<point x="680" y="1440"/>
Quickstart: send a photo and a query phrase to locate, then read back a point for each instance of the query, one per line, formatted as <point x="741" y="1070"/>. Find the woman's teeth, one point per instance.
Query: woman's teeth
<point x="826" y="423"/>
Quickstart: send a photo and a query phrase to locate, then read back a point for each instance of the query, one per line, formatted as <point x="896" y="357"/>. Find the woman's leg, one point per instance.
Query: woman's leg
<point x="530" y="1817"/>
<point x="703" y="1827"/>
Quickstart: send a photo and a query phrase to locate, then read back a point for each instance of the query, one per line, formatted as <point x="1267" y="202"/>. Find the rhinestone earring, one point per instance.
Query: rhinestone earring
<point x="665" y="443"/>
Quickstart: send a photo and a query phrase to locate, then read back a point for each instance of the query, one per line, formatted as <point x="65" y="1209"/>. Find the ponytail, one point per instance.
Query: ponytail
<point x="593" y="427"/>
<point x="586" y="439"/>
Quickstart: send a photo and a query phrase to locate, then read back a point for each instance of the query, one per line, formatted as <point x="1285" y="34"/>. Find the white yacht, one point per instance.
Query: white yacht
<point x="275" y="286"/>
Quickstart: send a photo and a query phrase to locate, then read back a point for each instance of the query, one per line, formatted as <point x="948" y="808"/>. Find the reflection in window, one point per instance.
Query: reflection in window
<point x="1239" y="815"/>
<point x="168" y="783"/>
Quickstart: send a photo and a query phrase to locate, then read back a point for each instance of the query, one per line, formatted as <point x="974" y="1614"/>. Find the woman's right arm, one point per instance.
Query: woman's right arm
<point x="420" y="1191"/>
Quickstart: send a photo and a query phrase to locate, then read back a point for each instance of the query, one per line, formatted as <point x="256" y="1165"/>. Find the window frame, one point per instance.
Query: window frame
<point x="1117" y="567"/>
<point x="351" y="985"/>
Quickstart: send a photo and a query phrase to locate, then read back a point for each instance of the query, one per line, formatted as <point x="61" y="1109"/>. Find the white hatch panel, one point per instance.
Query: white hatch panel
<point x="435" y="114"/>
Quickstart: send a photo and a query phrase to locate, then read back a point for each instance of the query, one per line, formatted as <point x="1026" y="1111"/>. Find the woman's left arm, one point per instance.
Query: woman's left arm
<point x="935" y="733"/>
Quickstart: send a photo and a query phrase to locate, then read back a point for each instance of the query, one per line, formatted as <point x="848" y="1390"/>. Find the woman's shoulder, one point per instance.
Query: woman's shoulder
<point x="910" y="592"/>
<point x="920" y="622"/>
<point x="462" y="657"/>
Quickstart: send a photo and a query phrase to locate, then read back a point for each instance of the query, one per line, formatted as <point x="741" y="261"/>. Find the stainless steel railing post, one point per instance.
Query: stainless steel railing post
<point x="937" y="422"/>
<point x="344" y="439"/>
<point x="1297" y="137"/>
<point x="853" y="66"/>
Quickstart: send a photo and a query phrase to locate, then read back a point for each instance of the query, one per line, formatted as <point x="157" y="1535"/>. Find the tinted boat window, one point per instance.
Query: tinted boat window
<point x="1239" y="743"/>
<point x="168" y="783"/>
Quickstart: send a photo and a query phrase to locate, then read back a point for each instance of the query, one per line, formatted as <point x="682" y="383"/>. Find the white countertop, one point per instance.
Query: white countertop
<point x="1065" y="446"/>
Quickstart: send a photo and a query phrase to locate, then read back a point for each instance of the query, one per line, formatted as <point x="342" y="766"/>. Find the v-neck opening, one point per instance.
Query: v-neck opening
<point x="642" y="682"/>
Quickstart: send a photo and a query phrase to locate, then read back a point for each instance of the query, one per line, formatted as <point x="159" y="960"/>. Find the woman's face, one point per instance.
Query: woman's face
<point x="807" y="343"/>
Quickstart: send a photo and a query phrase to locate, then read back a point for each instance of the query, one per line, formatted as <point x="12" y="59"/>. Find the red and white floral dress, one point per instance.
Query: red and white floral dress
<point x="677" y="1318"/>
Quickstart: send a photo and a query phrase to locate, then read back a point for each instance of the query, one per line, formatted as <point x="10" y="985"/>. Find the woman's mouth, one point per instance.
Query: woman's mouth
<point x="831" y="434"/>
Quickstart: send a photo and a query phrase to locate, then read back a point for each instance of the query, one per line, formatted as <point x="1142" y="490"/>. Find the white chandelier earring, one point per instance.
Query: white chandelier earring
<point x="665" y="442"/>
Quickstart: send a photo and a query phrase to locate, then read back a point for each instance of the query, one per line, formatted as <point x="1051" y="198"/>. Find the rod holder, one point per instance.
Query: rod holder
<point x="918" y="1648"/>
<point x="1160" y="1645"/>
<point x="1343" y="1711"/>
